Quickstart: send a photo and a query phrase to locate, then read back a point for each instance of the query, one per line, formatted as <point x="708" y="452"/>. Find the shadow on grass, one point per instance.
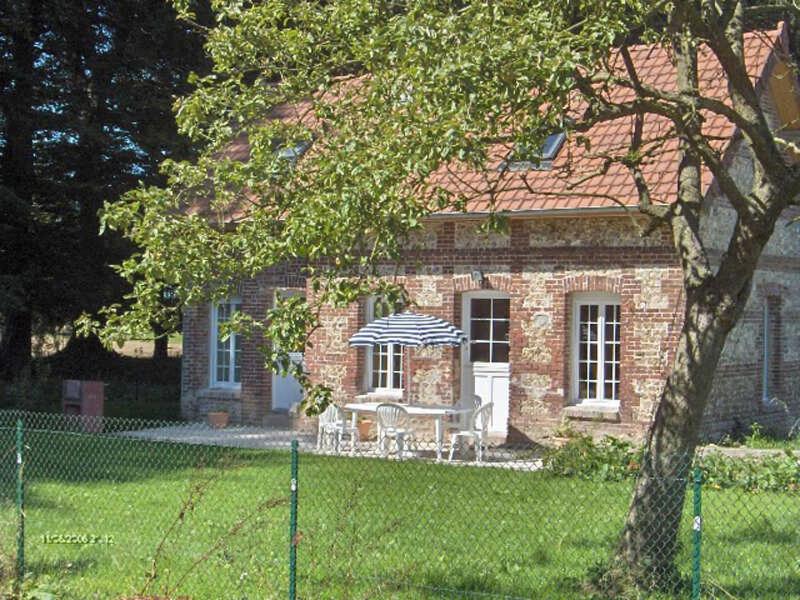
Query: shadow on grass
<point x="452" y="583"/>
<point x="68" y="457"/>
<point x="462" y="584"/>
<point x="60" y="566"/>
<point x="776" y="586"/>
<point x="762" y="530"/>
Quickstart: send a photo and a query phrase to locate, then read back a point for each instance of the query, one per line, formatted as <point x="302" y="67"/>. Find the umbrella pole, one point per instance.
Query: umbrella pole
<point x="408" y="371"/>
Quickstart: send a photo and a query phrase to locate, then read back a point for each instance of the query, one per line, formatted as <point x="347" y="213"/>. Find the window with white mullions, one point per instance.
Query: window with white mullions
<point x="226" y="355"/>
<point x="489" y="326"/>
<point x="386" y="361"/>
<point x="597" y="358"/>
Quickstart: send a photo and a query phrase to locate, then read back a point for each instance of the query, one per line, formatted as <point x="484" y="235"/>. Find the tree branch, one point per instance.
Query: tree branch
<point x="727" y="44"/>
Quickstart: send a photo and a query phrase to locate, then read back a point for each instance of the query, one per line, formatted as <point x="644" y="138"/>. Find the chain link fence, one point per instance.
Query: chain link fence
<point x="125" y="508"/>
<point x="118" y="508"/>
<point x="751" y="527"/>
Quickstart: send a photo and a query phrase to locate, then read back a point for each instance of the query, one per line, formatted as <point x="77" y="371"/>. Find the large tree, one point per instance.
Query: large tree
<point x="389" y="93"/>
<point x="86" y="95"/>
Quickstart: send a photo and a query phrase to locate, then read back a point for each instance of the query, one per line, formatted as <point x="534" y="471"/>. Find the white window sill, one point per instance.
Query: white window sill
<point x="607" y="412"/>
<point x="384" y="395"/>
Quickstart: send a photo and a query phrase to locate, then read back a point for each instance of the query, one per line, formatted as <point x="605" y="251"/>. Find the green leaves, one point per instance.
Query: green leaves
<point x="390" y="92"/>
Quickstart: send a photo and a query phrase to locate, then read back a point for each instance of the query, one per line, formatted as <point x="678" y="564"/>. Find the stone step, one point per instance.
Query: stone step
<point x="276" y="419"/>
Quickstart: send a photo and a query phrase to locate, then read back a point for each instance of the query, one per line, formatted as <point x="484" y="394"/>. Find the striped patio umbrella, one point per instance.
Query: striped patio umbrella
<point x="411" y="330"/>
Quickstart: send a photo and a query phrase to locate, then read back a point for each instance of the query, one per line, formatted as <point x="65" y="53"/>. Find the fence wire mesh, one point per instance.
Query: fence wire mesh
<point x="751" y="536"/>
<point x="515" y="524"/>
<point x="124" y="508"/>
<point x="121" y="508"/>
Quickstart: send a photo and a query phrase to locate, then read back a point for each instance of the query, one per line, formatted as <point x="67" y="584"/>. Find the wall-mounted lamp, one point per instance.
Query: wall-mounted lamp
<point x="477" y="277"/>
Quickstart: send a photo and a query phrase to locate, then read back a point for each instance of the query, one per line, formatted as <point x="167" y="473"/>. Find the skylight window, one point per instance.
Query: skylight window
<point x="552" y="145"/>
<point x="521" y="159"/>
<point x="293" y="153"/>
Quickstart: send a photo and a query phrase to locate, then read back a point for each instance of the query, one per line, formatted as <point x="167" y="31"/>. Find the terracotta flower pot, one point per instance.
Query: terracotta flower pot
<point x="218" y="419"/>
<point x="364" y="429"/>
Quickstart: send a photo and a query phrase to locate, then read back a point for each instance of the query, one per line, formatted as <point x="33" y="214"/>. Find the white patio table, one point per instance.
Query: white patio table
<point x="437" y="412"/>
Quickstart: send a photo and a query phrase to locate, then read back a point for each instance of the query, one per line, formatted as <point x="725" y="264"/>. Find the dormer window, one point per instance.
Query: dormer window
<point x="522" y="159"/>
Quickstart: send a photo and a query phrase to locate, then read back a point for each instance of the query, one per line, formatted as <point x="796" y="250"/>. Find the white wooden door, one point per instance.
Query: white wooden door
<point x="286" y="391"/>
<point x="485" y="367"/>
<point x="490" y="382"/>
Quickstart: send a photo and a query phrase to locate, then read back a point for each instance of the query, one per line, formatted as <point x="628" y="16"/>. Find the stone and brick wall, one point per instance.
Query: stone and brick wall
<point x="251" y="402"/>
<point x="737" y="397"/>
<point x="541" y="264"/>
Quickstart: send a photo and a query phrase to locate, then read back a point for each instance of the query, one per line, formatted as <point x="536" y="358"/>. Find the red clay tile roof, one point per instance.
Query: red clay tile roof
<point x="556" y="189"/>
<point x="563" y="186"/>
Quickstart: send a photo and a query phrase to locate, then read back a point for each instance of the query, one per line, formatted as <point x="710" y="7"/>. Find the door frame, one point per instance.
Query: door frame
<point x="467" y="372"/>
<point x="297" y="358"/>
<point x="286" y="293"/>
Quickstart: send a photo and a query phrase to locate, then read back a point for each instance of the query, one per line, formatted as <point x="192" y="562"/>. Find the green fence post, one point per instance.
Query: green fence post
<point x="697" y="533"/>
<point x="293" y="527"/>
<point x="20" y="505"/>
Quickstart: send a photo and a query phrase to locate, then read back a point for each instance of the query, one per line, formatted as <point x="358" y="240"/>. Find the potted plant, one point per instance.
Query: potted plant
<point x="364" y="428"/>
<point x="218" y="419"/>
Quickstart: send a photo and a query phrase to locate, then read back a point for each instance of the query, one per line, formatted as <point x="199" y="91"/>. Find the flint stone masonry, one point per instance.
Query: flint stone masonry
<point x="535" y="330"/>
<point x="583" y="233"/>
<point x="543" y="265"/>
<point x="469" y="235"/>
<point x="535" y="387"/>
<point x="424" y="238"/>
<point x="541" y="283"/>
<point x="336" y="327"/>
<point x="737" y="395"/>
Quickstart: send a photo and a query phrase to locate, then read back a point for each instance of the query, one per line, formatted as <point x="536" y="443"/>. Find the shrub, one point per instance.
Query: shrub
<point x="776" y="473"/>
<point x="610" y="459"/>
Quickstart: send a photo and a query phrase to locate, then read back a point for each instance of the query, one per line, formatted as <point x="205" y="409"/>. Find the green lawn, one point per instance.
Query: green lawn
<point x="370" y="528"/>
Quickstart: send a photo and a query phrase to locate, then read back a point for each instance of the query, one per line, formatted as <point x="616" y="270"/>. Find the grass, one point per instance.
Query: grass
<point x="369" y="528"/>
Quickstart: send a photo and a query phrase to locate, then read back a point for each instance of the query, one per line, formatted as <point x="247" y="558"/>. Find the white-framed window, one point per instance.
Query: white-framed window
<point x="596" y="348"/>
<point x="384" y="361"/>
<point x="226" y="352"/>
<point x="488" y="329"/>
<point x="770" y="349"/>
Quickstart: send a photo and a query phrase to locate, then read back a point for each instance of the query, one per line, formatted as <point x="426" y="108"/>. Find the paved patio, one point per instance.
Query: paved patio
<point x="275" y="438"/>
<point x="236" y="437"/>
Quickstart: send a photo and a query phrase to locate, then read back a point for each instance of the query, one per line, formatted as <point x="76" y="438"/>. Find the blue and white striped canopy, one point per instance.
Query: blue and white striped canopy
<point x="409" y="329"/>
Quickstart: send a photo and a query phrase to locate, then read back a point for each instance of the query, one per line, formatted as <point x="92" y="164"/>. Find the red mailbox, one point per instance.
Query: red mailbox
<point x="85" y="399"/>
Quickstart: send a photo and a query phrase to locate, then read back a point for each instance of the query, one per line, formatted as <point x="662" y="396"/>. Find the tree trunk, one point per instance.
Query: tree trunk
<point x="649" y="540"/>
<point x="160" y="344"/>
<point x="15" y="345"/>
<point x="17" y="174"/>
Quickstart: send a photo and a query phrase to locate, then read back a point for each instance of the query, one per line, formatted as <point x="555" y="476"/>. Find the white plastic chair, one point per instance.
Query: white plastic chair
<point x="463" y="421"/>
<point x="478" y="431"/>
<point x="393" y="423"/>
<point x="332" y="427"/>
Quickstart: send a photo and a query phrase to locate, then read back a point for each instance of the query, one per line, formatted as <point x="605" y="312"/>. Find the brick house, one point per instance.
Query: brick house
<point x="571" y="313"/>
